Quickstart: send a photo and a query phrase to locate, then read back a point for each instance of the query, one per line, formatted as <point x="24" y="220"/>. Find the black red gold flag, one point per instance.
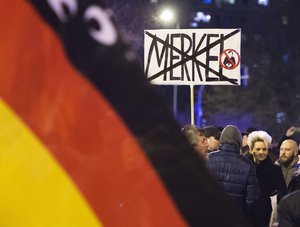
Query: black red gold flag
<point x="85" y="141"/>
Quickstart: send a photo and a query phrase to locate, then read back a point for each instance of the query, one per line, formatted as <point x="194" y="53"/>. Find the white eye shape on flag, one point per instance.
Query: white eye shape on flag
<point x="58" y="8"/>
<point x="107" y="34"/>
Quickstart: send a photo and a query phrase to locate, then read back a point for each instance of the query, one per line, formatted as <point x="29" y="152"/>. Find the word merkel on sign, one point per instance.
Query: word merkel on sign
<point x="193" y="56"/>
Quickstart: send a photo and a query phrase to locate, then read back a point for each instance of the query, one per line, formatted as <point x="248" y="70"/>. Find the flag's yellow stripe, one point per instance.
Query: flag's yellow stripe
<point x="34" y="189"/>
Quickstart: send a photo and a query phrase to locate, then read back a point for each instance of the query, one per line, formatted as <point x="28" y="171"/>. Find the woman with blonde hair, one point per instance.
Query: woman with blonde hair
<point x="269" y="175"/>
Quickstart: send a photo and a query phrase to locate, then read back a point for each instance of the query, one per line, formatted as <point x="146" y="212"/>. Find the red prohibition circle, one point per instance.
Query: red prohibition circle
<point x="229" y="59"/>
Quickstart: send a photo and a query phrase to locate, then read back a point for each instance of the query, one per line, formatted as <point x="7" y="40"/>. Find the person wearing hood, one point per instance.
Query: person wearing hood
<point x="234" y="173"/>
<point x="269" y="175"/>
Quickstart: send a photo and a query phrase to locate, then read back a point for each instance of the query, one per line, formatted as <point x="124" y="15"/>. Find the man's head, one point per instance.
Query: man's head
<point x="231" y="135"/>
<point x="259" y="142"/>
<point x="288" y="152"/>
<point x="212" y="135"/>
<point x="196" y="137"/>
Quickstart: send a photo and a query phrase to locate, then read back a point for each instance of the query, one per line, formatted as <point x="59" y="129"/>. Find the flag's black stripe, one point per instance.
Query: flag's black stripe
<point x="123" y="84"/>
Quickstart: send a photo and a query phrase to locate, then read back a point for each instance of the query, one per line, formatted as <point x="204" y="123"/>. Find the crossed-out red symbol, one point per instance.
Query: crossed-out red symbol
<point x="229" y="59"/>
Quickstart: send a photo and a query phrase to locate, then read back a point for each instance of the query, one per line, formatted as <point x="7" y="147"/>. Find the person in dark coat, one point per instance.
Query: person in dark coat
<point x="234" y="173"/>
<point x="269" y="175"/>
<point x="295" y="182"/>
<point x="289" y="210"/>
<point x="288" y="159"/>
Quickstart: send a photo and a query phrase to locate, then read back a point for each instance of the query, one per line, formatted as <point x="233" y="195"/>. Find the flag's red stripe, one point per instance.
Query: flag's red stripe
<point x="77" y="125"/>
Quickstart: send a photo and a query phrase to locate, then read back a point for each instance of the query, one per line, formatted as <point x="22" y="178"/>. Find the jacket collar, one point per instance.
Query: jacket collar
<point x="264" y="163"/>
<point x="232" y="148"/>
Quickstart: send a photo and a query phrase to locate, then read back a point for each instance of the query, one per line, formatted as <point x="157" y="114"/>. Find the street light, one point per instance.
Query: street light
<point x="167" y="16"/>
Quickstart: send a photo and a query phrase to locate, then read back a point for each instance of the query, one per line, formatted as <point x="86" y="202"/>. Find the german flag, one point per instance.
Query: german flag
<point x="85" y="141"/>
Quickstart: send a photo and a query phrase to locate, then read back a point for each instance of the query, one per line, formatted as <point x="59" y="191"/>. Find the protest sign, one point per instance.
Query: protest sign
<point x="192" y="56"/>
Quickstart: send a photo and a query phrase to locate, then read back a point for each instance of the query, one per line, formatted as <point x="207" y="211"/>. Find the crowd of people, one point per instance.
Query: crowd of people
<point x="264" y="186"/>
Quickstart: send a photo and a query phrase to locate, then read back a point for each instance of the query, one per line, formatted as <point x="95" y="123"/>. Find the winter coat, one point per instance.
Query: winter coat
<point x="295" y="182"/>
<point x="236" y="176"/>
<point x="271" y="182"/>
<point x="288" y="172"/>
<point x="289" y="210"/>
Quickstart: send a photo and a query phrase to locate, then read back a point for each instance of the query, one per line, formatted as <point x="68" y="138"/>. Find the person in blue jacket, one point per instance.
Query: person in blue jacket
<point x="234" y="173"/>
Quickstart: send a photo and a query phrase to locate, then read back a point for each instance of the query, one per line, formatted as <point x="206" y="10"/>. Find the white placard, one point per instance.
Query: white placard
<point x="192" y="56"/>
